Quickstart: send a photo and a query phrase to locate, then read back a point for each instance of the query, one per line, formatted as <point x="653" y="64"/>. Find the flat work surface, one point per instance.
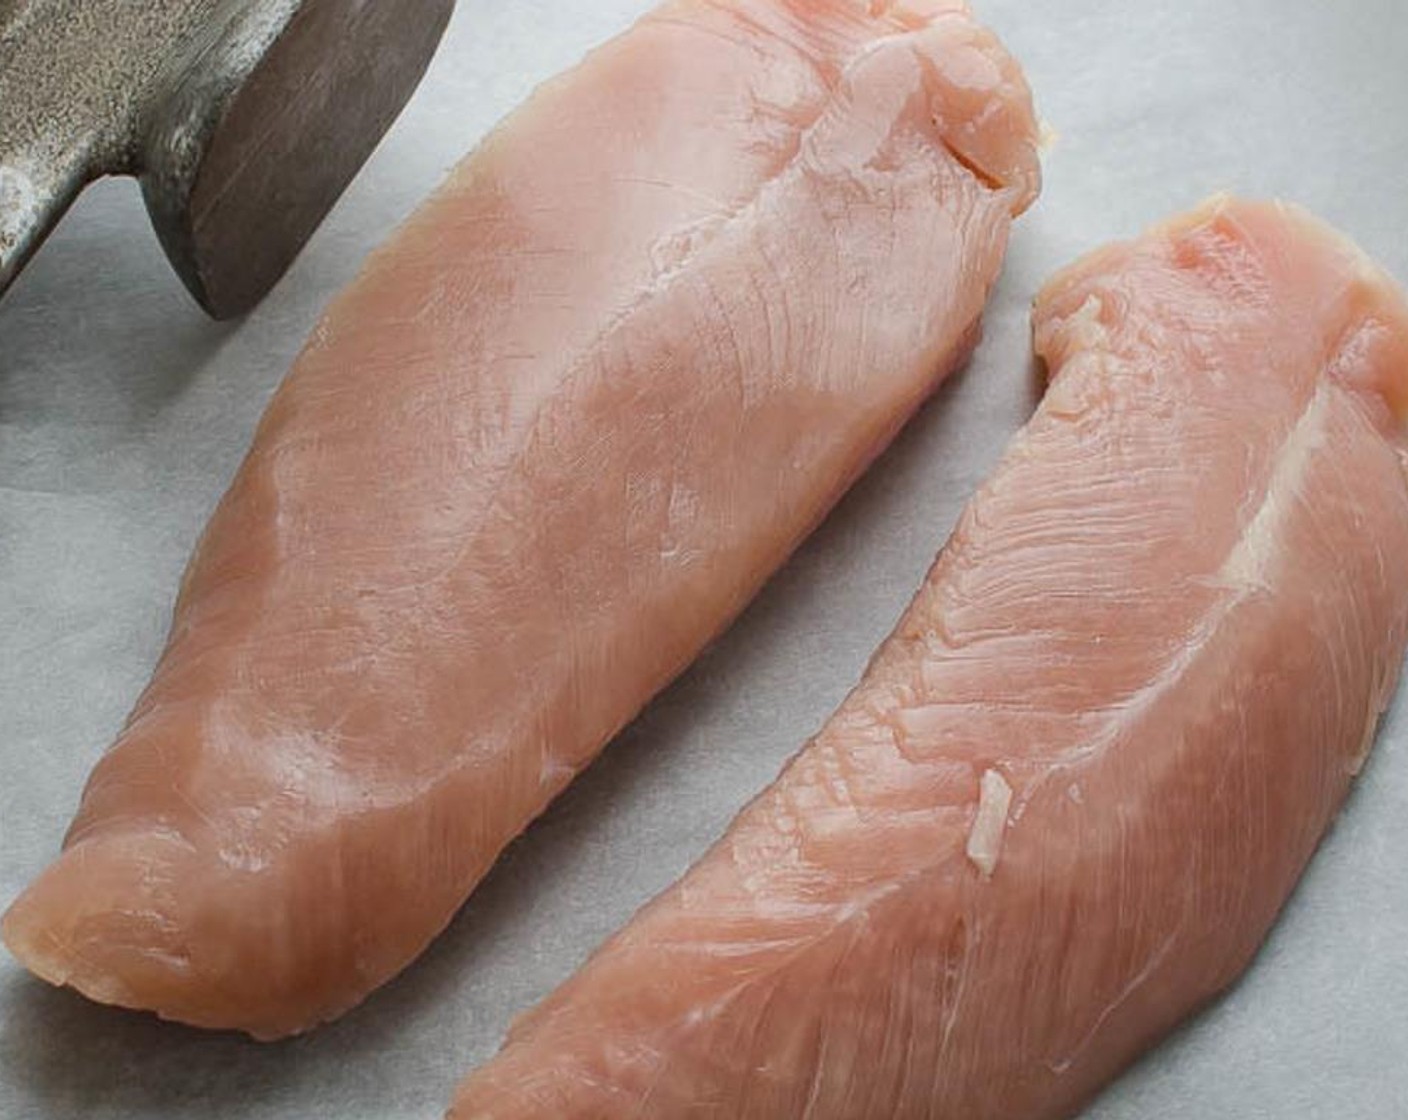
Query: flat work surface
<point x="124" y="412"/>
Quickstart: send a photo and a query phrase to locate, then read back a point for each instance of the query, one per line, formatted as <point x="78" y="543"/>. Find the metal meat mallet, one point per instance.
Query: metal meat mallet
<point x="243" y="119"/>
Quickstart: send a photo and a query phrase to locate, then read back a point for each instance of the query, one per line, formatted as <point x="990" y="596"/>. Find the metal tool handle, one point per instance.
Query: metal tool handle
<point x="34" y="194"/>
<point x="69" y="78"/>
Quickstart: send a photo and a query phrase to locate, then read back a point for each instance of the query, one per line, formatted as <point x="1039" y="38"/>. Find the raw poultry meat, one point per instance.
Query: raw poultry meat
<point x="1077" y="784"/>
<point x="550" y="442"/>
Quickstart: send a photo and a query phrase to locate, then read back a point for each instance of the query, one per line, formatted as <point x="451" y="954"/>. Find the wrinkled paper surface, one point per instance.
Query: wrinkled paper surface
<point x="123" y="413"/>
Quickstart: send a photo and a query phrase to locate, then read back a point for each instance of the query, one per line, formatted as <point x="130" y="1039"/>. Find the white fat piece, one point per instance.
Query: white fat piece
<point x="1086" y="327"/>
<point x="1249" y="565"/>
<point x="989" y="826"/>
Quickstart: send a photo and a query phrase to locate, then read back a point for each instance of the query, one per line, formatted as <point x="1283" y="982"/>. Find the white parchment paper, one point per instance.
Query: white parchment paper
<point x="123" y="413"/>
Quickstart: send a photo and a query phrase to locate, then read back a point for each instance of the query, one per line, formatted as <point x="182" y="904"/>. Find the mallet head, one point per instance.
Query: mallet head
<point x="244" y="120"/>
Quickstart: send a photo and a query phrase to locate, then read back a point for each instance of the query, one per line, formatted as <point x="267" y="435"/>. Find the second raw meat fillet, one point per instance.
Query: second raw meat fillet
<point x="549" y="444"/>
<point x="1078" y="783"/>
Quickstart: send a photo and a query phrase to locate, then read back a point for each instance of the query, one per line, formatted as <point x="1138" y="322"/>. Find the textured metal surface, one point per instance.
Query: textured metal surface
<point x="244" y="119"/>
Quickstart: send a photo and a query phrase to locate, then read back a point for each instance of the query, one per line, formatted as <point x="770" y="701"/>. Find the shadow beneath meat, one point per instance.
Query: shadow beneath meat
<point x="82" y="1059"/>
<point x="1038" y="377"/>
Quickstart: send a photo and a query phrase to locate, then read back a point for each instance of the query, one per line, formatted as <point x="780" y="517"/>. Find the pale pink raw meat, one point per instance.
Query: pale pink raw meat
<point x="1078" y="783"/>
<point x="554" y="438"/>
